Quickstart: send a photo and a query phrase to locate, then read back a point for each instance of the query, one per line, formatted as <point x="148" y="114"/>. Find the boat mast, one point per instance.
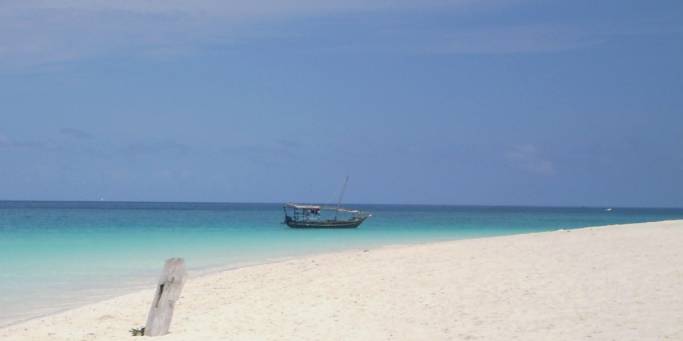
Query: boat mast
<point x="341" y="196"/>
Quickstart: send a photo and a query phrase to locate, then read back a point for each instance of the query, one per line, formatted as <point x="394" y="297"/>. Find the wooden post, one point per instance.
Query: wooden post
<point x="167" y="294"/>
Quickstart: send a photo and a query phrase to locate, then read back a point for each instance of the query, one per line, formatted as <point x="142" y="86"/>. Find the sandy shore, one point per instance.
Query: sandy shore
<point x="608" y="283"/>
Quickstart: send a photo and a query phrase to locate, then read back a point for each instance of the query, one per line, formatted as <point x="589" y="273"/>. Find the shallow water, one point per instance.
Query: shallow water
<point x="56" y="255"/>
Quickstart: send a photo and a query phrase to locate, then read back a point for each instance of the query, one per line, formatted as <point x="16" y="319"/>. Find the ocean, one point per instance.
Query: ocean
<point x="59" y="255"/>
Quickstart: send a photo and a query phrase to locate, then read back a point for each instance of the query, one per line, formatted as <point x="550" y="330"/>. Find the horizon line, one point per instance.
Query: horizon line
<point x="352" y="204"/>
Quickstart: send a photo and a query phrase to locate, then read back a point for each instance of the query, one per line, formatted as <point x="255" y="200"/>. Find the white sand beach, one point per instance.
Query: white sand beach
<point x="622" y="282"/>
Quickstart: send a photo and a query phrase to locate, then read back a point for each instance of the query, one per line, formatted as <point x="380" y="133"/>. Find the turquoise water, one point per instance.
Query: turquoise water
<point x="56" y="255"/>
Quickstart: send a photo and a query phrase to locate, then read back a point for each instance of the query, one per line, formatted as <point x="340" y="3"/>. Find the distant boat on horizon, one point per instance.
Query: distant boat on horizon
<point x="309" y="216"/>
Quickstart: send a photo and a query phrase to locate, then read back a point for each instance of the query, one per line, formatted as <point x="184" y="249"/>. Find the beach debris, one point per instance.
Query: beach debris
<point x="137" y="331"/>
<point x="167" y="294"/>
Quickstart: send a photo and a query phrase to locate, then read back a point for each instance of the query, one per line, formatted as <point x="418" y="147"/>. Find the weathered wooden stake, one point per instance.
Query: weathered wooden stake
<point x="167" y="294"/>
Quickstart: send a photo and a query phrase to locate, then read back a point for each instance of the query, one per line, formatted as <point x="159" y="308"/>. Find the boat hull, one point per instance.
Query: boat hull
<point x="329" y="224"/>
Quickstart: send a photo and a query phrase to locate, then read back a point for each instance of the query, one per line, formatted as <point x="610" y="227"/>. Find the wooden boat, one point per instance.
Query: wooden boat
<point x="316" y="216"/>
<point x="309" y="216"/>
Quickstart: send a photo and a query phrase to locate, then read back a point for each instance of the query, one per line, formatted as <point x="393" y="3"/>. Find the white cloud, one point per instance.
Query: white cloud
<point x="35" y="32"/>
<point x="76" y="133"/>
<point x="4" y="141"/>
<point x="517" y="39"/>
<point x="40" y="31"/>
<point x="239" y="8"/>
<point x="528" y="158"/>
<point x="8" y="143"/>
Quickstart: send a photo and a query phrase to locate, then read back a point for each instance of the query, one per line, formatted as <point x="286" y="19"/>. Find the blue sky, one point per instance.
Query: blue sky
<point x="432" y="102"/>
